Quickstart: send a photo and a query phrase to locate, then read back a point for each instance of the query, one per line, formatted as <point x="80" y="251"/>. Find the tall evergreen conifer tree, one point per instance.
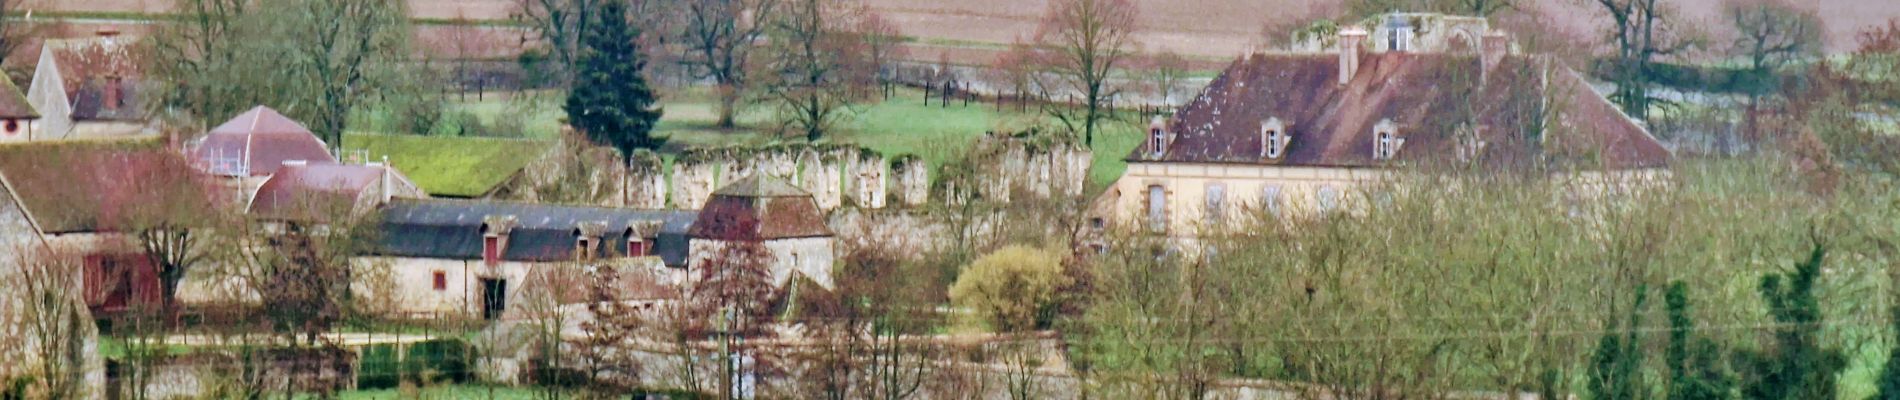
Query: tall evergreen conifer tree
<point x="1794" y="364"/>
<point x="1695" y="361"/>
<point x="611" y="102"/>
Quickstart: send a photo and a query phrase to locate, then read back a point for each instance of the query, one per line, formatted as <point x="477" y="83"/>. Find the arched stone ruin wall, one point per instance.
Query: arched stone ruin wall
<point x="1002" y="168"/>
<point x="837" y="176"/>
<point x="813" y="175"/>
<point x="910" y="178"/>
<point x="694" y="174"/>
<point x="646" y="177"/>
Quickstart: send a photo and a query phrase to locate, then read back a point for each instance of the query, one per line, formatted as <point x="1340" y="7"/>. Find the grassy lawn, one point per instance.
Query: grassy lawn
<point x="448" y="165"/>
<point x="903" y="124"/>
<point x="463" y="391"/>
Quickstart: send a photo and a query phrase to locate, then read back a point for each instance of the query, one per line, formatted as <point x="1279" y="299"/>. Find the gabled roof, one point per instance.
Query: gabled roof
<point x="89" y="103"/>
<point x="453" y="229"/>
<point x="13" y="104"/>
<point x="256" y="143"/>
<point x="92" y="186"/>
<point x="295" y="192"/>
<point x="47" y="93"/>
<point x="17" y="232"/>
<point x="760" y="208"/>
<point x="1428" y="96"/>
<point x="79" y="69"/>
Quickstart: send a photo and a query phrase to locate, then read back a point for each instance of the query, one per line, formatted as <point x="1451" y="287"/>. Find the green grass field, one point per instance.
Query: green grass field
<point x="902" y="124"/>
<point x="466" y="391"/>
<point x="447" y="165"/>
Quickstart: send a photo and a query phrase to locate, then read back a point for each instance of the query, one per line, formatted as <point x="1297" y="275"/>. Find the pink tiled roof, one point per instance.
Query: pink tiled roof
<point x="1427" y="96"/>
<point x="257" y="143"/>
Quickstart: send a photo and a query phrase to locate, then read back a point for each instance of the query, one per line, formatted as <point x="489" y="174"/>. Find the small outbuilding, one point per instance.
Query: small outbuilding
<point x="766" y="211"/>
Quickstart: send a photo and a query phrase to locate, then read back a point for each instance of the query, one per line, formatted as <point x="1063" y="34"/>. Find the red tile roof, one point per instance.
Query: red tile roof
<point x="256" y="143"/>
<point x="759" y="208"/>
<point x="297" y="191"/>
<point x="1428" y="96"/>
<point x="99" y="186"/>
<point x="13" y="104"/>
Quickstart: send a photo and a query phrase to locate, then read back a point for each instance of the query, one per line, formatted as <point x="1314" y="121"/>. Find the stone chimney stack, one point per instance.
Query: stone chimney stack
<point x="1496" y="44"/>
<point x="1349" y="40"/>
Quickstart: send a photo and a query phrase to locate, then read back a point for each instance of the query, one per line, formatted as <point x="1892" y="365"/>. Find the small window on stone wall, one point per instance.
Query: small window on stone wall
<point x="441" y="281"/>
<point x="1216" y="203"/>
<point x="1328" y="198"/>
<point x="1157" y="208"/>
<point x="1270" y="199"/>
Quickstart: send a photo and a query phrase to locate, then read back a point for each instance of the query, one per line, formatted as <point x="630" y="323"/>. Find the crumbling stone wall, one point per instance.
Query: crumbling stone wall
<point x="646" y="177"/>
<point x="1005" y="167"/>
<point x="694" y="174"/>
<point x="866" y="183"/>
<point x="910" y="176"/>
<point x="574" y="172"/>
<point x="815" y="175"/>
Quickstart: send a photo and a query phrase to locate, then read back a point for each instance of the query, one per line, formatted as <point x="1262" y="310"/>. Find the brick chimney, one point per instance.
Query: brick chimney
<point x="114" y="94"/>
<point x="1496" y="44"/>
<point x="1349" y="40"/>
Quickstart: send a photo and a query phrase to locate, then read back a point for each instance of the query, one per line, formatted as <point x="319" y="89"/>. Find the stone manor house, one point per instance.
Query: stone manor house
<point x="1301" y="130"/>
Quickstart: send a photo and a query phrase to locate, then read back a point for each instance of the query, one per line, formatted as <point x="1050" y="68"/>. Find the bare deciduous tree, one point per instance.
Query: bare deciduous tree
<point x="345" y="48"/>
<point x="45" y="325"/>
<point x="203" y="49"/>
<point x="820" y="62"/>
<point x="559" y="24"/>
<point x="1771" y="33"/>
<point x="1165" y="72"/>
<point x="720" y="37"/>
<point x="1088" y="41"/>
<point x="1641" y="31"/>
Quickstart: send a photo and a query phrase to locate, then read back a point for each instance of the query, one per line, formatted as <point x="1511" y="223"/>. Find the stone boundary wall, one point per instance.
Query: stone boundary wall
<point x="837" y="176"/>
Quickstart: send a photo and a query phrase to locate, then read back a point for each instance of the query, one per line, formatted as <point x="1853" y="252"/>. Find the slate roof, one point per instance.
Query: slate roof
<point x="256" y="143"/>
<point x="89" y="185"/>
<point x="453" y="229"/>
<point x="295" y="192"/>
<point x="13" y="104"/>
<point x="760" y="208"/>
<point x="1426" y="95"/>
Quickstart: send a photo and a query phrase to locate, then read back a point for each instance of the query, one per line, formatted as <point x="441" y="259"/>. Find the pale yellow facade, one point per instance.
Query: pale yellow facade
<point x="1197" y="195"/>
<point x="1200" y="196"/>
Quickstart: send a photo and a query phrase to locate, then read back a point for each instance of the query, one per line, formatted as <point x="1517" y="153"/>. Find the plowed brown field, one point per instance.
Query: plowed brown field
<point x="1200" y="27"/>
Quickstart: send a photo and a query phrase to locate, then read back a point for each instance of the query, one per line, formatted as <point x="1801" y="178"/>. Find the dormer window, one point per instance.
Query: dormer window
<point x="636" y="246"/>
<point x="495" y="229"/>
<point x="1157" y="138"/>
<point x="1386" y="140"/>
<point x="583" y="248"/>
<point x="491" y="249"/>
<point x="1273" y="139"/>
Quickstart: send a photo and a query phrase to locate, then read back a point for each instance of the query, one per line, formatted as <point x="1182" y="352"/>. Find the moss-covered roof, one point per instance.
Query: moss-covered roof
<point x="451" y="166"/>
<point x="91" y="185"/>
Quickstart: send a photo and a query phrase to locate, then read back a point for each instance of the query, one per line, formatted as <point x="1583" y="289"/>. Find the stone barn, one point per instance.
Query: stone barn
<point x="765" y="210"/>
<point x="451" y="258"/>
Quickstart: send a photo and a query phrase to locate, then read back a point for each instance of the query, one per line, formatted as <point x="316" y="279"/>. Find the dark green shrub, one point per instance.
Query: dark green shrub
<point x="441" y="360"/>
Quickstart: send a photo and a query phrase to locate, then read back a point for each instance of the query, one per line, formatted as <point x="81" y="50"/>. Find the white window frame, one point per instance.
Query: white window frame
<point x="1328" y="198"/>
<point x="1270" y="199"/>
<point x="1216" y="207"/>
<point x="1157" y="212"/>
